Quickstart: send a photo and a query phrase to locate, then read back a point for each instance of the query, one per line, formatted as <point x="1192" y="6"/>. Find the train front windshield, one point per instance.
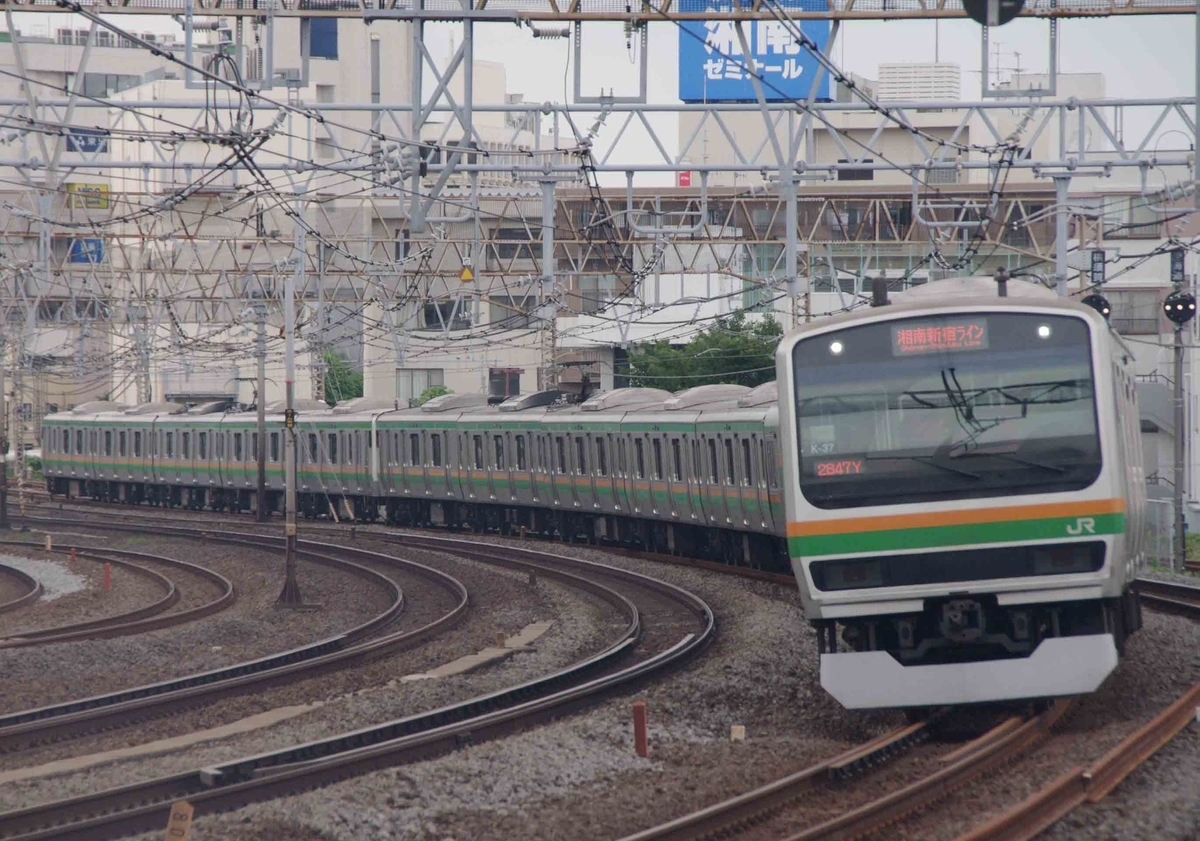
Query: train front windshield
<point x="946" y="407"/>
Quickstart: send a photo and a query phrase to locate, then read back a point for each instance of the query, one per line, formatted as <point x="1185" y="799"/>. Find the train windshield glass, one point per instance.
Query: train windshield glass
<point x="946" y="407"/>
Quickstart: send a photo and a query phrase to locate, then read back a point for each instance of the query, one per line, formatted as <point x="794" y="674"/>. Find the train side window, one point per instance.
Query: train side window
<point x="137" y="445"/>
<point x="601" y="458"/>
<point x="747" y="464"/>
<point x="351" y="437"/>
<point x="561" y="448"/>
<point x="185" y="445"/>
<point x="478" y="452"/>
<point x="581" y="455"/>
<point x="107" y="443"/>
<point x="621" y="461"/>
<point x="121" y="443"/>
<point x="435" y="447"/>
<point x="79" y="442"/>
<point x="714" y="471"/>
<point x="313" y="447"/>
<point x="170" y="445"/>
<point x="414" y="448"/>
<point x="66" y="441"/>
<point x="498" y="445"/>
<point x="640" y="456"/>
<point x="237" y="446"/>
<point x="275" y="446"/>
<point x="254" y="446"/>
<point x="730" y="465"/>
<point x="541" y="453"/>
<point x="203" y="444"/>
<point x="676" y="460"/>
<point x="658" y="459"/>
<point x="770" y="464"/>
<point x="521" y="458"/>
<point x="333" y="448"/>
<point x="219" y="437"/>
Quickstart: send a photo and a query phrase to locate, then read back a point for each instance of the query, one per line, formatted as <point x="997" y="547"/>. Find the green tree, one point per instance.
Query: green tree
<point x="432" y="392"/>
<point x="342" y="382"/>
<point x="732" y="350"/>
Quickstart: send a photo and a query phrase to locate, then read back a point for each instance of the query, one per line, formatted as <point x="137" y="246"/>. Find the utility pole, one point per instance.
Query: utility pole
<point x="1180" y="308"/>
<point x="290" y="595"/>
<point x="260" y="402"/>
<point x="3" y="436"/>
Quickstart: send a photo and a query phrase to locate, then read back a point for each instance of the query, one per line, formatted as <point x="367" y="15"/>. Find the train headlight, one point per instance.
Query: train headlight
<point x="836" y="347"/>
<point x="1043" y="331"/>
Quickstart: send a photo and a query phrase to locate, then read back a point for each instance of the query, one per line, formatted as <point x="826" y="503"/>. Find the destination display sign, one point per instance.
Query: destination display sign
<point x="913" y="339"/>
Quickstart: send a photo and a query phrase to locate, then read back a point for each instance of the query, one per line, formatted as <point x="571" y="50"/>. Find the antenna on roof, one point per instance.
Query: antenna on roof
<point x="879" y="292"/>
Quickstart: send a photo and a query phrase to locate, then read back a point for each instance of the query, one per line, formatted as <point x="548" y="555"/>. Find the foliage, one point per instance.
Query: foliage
<point x="432" y="392"/>
<point x="342" y="382"/>
<point x="733" y="350"/>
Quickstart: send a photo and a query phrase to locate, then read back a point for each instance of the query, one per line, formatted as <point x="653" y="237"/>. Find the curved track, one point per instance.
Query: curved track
<point x="145" y="806"/>
<point x="35" y="589"/>
<point x="136" y="621"/>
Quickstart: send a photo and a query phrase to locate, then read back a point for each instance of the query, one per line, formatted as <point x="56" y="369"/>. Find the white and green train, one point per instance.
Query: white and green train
<point x="954" y="480"/>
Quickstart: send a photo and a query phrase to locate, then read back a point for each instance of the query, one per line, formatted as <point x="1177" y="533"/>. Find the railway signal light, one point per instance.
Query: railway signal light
<point x="1180" y="307"/>
<point x="1099" y="303"/>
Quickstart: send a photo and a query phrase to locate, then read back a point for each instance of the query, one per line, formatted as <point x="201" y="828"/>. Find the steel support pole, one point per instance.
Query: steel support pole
<point x="787" y="186"/>
<point x="1196" y="116"/>
<point x="1061" y="215"/>
<point x="1180" y="553"/>
<point x="3" y="437"/>
<point x="549" y="310"/>
<point x="291" y="587"/>
<point x="260" y="402"/>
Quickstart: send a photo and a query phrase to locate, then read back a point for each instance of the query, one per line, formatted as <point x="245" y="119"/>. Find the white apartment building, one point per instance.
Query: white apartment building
<point x="915" y="82"/>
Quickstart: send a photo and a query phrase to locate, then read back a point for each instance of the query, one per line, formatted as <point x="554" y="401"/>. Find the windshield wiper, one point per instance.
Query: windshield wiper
<point x="1006" y="456"/>
<point x="930" y="461"/>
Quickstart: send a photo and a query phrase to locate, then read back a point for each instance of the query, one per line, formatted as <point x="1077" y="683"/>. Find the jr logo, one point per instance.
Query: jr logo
<point x="1082" y="524"/>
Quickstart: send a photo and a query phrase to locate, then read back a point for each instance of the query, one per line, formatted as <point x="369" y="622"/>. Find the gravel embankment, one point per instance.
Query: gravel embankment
<point x="251" y="627"/>
<point x="578" y="778"/>
<point x="507" y="604"/>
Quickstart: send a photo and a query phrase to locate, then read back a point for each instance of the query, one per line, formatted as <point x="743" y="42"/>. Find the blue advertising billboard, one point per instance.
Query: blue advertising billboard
<point x="713" y="68"/>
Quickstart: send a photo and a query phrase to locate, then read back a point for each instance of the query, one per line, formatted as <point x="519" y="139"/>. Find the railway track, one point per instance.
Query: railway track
<point x="129" y="706"/>
<point x="29" y="597"/>
<point x="139" y="620"/>
<point x="145" y="806"/>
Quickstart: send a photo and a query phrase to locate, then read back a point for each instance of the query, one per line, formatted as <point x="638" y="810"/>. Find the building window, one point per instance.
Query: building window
<point x="446" y="315"/>
<point x="1136" y="311"/>
<point x="412" y="382"/>
<point x="856" y="174"/>
<point x="508" y="313"/>
<point x="504" y="382"/>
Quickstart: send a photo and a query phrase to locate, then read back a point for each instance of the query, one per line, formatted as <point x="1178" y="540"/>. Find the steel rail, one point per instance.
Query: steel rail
<point x="143" y="807"/>
<point x="35" y="588"/>
<point x="1169" y="596"/>
<point x="84" y="715"/>
<point x="752" y="807"/>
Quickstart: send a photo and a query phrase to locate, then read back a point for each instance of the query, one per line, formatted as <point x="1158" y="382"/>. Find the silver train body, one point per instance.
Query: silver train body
<point x="695" y="473"/>
<point x="965" y="495"/>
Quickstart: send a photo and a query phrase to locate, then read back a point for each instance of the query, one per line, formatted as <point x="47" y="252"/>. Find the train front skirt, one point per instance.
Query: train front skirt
<point x="1058" y="666"/>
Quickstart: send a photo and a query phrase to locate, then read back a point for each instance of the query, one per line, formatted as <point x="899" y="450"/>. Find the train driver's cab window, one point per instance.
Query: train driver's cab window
<point x="580" y="455"/>
<point x="478" y="452"/>
<point x="640" y="457"/>
<point x="521" y="457"/>
<point x="435" y="447"/>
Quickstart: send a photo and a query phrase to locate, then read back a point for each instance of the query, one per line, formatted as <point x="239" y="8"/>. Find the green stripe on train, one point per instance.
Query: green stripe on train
<point x="817" y="545"/>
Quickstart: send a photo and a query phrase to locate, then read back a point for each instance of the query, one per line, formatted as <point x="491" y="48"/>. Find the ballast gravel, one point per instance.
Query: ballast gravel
<point x="580" y="629"/>
<point x="579" y="778"/>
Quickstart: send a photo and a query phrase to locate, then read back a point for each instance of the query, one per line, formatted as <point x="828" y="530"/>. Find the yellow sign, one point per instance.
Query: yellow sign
<point x="467" y="275"/>
<point x="180" y="824"/>
<point x="88" y="196"/>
